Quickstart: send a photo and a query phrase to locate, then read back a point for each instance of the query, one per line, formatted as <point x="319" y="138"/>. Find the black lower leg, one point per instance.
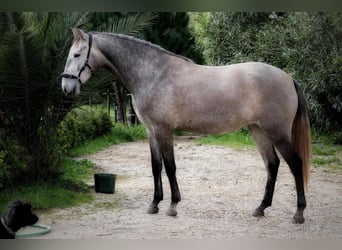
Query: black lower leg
<point x="295" y="164"/>
<point x="272" y="171"/>
<point x="298" y="218"/>
<point x="158" y="195"/>
<point x="170" y="167"/>
<point x="158" y="188"/>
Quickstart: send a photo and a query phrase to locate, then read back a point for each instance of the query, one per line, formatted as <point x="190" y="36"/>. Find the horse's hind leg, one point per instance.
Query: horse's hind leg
<point x="271" y="160"/>
<point x="295" y="163"/>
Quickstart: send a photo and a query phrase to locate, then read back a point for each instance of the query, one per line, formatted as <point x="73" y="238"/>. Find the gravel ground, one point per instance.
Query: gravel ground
<point x="220" y="189"/>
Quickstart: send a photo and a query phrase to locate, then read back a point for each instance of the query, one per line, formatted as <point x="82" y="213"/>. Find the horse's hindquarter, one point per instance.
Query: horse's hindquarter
<point x="222" y="99"/>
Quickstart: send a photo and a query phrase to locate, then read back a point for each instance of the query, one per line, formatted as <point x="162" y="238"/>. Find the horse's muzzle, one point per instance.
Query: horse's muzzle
<point x="69" y="93"/>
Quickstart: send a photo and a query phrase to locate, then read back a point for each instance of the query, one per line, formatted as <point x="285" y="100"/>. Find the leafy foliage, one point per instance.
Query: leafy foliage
<point x="82" y="124"/>
<point x="133" y="24"/>
<point x="13" y="161"/>
<point x="32" y="51"/>
<point x="172" y="31"/>
<point x="120" y="133"/>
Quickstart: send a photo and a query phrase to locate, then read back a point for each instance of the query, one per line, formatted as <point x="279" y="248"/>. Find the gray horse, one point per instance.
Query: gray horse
<point x="172" y="93"/>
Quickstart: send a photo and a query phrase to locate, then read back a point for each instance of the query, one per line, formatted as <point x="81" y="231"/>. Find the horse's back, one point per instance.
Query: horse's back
<point x="225" y="98"/>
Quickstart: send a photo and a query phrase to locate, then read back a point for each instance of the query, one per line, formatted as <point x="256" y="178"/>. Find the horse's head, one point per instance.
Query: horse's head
<point x="78" y="67"/>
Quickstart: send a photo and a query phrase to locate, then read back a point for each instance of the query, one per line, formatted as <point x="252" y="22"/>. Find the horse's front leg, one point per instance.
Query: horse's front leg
<point x="156" y="170"/>
<point x="167" y="151"/>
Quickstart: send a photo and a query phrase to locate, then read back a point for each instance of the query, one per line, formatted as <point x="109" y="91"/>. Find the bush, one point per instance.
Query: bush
<point x="13" y="160"/>
<point x="82" y="124"/>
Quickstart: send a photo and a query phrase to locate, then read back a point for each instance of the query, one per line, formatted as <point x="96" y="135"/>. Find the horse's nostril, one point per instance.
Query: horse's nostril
<point x="68" y="92"/>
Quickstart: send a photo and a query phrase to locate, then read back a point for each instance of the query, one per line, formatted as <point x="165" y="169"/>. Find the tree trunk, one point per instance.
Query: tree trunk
<point x="132" y="117"/>
<point x="120" y="93"/>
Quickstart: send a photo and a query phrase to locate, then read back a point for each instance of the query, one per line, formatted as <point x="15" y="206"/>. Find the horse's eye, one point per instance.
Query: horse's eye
<point x="76" y="55"/>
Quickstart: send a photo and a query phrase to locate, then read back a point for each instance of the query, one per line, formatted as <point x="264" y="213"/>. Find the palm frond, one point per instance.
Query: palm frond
<point x="23" y="79"/>
<point x="133" y="23"/>
<point x="65" y="21"/>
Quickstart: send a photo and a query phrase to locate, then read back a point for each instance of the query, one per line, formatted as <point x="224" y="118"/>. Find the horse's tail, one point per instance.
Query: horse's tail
<point x="301" y="135"/>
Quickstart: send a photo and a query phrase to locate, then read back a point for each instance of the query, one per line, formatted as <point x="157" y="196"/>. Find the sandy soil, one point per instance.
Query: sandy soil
<point x="220" y="188"/>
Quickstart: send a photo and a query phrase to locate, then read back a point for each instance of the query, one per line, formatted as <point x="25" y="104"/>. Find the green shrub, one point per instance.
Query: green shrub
<point x="82" y="124"/>
<point x="13" y="160"/>
<point x="75" y="173"/>
<point x="120" y="133"/>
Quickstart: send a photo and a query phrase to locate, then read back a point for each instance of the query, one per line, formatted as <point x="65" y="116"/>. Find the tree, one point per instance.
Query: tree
<point x="172" y="32"/>
<point x="33" y="47"/>
<point x="321" y="66"/>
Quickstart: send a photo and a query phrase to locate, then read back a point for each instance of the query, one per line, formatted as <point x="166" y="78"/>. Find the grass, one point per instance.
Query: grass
<point x="327" y="157"/>
<point x="45" y="196"/>
<point x="119" y="134"/>
<point x="68" y="190"/>
<point x="240" y="139"/>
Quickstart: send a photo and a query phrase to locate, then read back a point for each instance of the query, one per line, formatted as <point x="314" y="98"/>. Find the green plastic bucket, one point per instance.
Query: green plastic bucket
<point x="104" y="183"/>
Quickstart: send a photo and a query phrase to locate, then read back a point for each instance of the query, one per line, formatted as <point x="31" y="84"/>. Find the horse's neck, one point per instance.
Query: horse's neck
<point x="133" y="62"/>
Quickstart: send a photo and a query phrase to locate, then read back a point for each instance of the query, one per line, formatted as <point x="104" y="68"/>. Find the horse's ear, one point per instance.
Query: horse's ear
<point x="78" y="34"/>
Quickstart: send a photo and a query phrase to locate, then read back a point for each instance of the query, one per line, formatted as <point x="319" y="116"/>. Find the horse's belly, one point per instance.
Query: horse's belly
<point x="213" y="124"/>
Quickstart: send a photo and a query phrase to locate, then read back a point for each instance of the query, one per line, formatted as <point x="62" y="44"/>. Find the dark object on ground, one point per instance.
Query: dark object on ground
<point x="17" y="215"/>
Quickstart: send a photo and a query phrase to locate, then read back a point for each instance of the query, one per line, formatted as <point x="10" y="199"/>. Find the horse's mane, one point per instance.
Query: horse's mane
<point x="143" y="42"/>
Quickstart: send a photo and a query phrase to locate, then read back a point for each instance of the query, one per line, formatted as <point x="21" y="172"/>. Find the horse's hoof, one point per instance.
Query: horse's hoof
<point x="298" y="219"/>
<point x="153" y="210"/>
<point x="258" y="213"/>
<point x="171" y="212"/>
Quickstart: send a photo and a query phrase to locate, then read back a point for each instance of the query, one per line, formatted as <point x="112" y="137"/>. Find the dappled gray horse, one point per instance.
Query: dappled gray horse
<point x="172" y="93"/>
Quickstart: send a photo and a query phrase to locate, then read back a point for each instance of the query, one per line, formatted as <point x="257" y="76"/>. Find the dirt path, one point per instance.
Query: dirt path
<point x="220" y="188"/>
